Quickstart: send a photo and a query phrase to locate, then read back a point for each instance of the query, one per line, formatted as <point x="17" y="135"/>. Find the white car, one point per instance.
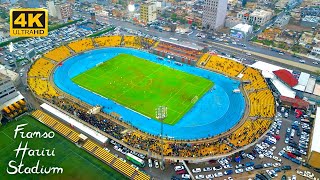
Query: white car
<point x="150" y="163"/>
<point x="316" y="63"/>
<point x="207" y="169"/>
<point x="186" y="176"/>
<point x="218" y="174"/>
<point x="238" y="171"/>
<point x="217" y="168"/>
<point x="250" y="156"/>
<point x="178" y="168"/>
<point x="196" y="170"/>
<point x="276" y="165"/>
<point x="210" y="176"/>
<point x="294" y="177"/>
<point x="200" y="176"/>
<point x="239" y="165"/>
<point x="302" y="61"/>
<point x="228" y="166"/>
<point x="156" y="164"/>
<point x="250" y="168"/>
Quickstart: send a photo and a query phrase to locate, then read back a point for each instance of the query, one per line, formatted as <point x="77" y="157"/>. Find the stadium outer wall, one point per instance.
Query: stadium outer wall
<point x="154" y="155"/>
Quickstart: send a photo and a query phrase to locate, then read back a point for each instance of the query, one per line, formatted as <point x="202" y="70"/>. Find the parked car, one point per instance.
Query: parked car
<point x="196" y="170"/>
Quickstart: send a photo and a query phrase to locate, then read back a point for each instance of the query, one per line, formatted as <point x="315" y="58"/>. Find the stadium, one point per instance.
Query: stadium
<point x="215" y="106"/>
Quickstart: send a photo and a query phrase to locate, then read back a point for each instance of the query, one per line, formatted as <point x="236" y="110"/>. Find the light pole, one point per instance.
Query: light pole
<point x="161" y="114"/>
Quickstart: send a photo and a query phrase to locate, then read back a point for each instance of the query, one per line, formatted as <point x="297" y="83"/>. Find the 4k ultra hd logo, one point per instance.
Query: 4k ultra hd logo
<point x="28" y="22"/>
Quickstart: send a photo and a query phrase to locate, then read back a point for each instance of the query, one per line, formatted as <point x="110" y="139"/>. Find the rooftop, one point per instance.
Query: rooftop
<point x="286" y="77"/>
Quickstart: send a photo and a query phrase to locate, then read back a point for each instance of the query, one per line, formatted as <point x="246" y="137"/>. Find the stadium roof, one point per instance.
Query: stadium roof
<point x="316" y="133"/>
<point x="69" y="120"/>
<point x="283" y="89"/>
<point x="286" y="77"/>
<point x="183" y="44"/>
<point x="267" y="68"/>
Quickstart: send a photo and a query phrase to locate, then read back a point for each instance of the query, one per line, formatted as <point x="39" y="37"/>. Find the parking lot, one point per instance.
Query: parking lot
<point x="274" y="156"/>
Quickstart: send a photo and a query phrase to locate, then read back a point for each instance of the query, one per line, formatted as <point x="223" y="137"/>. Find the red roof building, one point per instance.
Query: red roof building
<point x="286" y="77"/>
<point x="294" y="102"/>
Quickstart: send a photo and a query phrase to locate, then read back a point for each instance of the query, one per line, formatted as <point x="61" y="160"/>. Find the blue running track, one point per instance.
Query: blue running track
<point x="216" y="112"/>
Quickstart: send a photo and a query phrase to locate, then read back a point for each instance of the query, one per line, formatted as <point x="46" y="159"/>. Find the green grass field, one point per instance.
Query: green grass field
<point x="77" y="163"/>
<point x="142" y="85"/>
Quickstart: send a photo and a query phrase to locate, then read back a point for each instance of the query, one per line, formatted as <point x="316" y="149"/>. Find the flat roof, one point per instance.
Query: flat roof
<point x="315" y="146"/>
<point x="283" y="89"/>
<point x="11" y="74"/>
<point x="11" y="101"/>
<point x="316" y="90"/>
<point x="310" y="85"/>
<point x="302" y="81"/>
<point x="242" y="27"/>
<point x="93" y="133"/>
<point x="267" y="68"/>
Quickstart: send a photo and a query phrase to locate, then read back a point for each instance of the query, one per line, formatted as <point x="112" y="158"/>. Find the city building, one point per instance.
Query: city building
<point x="241" y="31"/>
<point x="64" y="11"/>
<point x="214" y="14"/>
<point x="281" y="22"/>
<point x="30" y="3"/>
<point x="148" y="12"/>
<point x="59" y="10"/>
<point x="260" y="17"/>
<point x="51" y="9"/>
<point x="12" y="103"/>
<point x="306" y="39"/>
<point x="310" y="21"/>
<point x="310" y="11"/>
<point x="7" y="89"/>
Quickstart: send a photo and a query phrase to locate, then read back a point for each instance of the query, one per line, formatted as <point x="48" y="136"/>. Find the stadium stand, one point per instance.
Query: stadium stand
<point x="41" y="68"/>
<point x="256" y="79"/>
<point x="81" y="45"/>
<point x="42" y="87"/>
<point x="104" y="155"/>
<point x="58" y="54"/>
<point x="89" y="146"/>
<point x="224" y="66"/>
<point x="249" y="132"/>
<point x="124" y="167"/>
<point x="132" y="41"/>
<point x="141" y="176"/>
<point x="185" y="53"/>
<point x="108" y="41"/>
<point x="262" y="104"/>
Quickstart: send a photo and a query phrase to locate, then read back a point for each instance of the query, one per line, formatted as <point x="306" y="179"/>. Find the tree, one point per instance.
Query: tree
<point x="174" y="17"/>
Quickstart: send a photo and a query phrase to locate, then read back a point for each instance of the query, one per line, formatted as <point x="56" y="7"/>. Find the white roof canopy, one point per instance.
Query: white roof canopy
<point x="283" y="89"/>
<point x="315" y="146"/>
<point x="85" y="129"/>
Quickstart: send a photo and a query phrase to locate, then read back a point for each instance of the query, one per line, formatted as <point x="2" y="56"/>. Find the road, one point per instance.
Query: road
<point x="225" y="47"/>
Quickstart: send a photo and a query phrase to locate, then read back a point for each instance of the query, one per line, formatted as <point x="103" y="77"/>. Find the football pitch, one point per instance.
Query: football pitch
<point x="76" y="163"/>
<point x="143" y="85"/>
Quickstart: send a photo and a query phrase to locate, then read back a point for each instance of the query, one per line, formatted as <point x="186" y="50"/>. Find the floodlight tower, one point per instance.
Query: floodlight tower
<point x="161" y="114"/>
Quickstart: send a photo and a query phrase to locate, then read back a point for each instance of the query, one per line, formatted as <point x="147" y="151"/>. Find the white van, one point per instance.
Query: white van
<point x="282" y="109"/>
<point x="150" y="163"/>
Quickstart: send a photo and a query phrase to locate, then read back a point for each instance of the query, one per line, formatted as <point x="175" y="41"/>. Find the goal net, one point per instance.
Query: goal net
<point x="194" y="99"/>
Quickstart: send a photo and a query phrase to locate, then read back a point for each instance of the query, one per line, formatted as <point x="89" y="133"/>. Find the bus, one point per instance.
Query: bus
<point x="135" y="160"/>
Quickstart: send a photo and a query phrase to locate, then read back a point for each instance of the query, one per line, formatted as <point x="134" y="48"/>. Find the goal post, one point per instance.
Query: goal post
<point x="194" y="99"/>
